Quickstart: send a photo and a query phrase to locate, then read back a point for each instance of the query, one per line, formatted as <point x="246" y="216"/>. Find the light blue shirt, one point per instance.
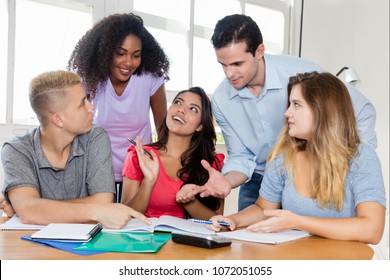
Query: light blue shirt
<point x="251" y="125"/>
<point x="364" y="183"/>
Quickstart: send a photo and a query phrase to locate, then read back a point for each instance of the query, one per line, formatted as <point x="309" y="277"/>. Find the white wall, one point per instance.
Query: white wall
<point x="355" y="33"/>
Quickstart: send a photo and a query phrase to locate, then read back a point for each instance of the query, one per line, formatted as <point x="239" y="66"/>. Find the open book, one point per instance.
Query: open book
<point x="165" y="224"/>
<point x="262" y="237"/>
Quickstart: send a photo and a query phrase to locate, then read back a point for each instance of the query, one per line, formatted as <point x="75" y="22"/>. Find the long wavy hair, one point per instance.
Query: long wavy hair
<point x="334" y="141"/>
<point x="93" y="54"/>
<point x="202" y="146"/>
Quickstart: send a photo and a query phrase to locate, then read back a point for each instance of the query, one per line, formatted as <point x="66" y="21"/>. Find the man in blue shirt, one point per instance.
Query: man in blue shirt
<point x="249" y="106"/>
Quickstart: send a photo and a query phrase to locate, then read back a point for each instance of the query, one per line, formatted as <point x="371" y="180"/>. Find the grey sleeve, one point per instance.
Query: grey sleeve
<point x="19" y="169"/>
<point x="100" y="173"/>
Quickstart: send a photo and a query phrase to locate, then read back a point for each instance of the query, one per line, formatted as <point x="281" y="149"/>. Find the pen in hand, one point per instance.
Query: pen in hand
<point x="135" y="144"/>
<point x="208" y="222"/>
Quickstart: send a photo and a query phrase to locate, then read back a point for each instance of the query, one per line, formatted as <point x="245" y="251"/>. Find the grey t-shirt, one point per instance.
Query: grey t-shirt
<point x="88" y="169"/>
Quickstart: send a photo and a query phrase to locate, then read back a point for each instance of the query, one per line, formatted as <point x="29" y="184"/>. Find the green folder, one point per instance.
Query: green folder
<point x="126" y="242"/>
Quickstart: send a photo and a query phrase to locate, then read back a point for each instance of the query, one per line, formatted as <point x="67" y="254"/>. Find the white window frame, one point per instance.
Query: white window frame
<point x="10" y="129"/>
<point x="291" y="10"/>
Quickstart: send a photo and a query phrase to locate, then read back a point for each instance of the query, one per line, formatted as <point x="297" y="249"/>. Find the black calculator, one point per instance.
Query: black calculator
<point x="201" y="240"/>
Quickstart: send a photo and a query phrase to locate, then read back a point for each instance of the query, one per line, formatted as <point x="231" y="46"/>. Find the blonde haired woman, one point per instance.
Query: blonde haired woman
<point x="320" y="178"/>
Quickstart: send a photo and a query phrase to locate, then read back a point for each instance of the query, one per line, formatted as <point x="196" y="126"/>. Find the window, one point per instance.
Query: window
<point x="206" y="71"/>
<point x="185" y="35"/>
<point x="3" y="59"/>
<point x="43" y="43"/>
<point x="41" y="35"/>
<point x="170" y="28"/>
<point x="272" y="25"/>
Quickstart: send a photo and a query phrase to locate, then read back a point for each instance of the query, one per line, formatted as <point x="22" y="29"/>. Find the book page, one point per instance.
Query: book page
<point x="135" y="225"/>
<point x="174" y="224"/>
<point x="164" y="223"/>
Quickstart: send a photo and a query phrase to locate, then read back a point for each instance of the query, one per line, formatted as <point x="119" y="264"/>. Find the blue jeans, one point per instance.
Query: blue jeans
<point x="249" y="192"/>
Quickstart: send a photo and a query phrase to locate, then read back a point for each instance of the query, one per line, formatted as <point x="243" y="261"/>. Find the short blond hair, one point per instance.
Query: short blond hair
<point x="48" y="89"/>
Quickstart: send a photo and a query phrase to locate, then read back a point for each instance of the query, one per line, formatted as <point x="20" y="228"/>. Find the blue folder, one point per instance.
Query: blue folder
<point x="65" y="246"/>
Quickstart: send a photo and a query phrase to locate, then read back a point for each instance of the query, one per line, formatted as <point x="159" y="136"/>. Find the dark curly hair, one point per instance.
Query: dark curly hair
<point x="202" y="147"/>
<point x="235" y="29"/>
<point x="93" y="54"/>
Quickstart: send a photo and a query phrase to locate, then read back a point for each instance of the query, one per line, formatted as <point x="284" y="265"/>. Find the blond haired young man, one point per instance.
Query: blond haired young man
<point x="61" y="172"/>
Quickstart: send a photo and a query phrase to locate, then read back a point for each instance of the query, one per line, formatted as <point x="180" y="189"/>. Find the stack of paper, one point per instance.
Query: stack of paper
<point x="268" y="238"/>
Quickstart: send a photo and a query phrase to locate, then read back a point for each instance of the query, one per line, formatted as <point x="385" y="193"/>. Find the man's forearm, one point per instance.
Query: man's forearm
<point x="236" y="178"/>
<point x="44" y="211"/>
<point x="94" y="198"/>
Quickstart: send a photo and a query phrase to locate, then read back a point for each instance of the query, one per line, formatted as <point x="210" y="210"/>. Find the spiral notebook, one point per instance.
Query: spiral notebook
<point x="14" y="223"/>
<point x="67" y="232"/>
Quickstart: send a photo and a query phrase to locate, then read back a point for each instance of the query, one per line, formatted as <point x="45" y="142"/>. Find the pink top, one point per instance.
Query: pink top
<point x="126" y="115"/>
<point x="163" y="197"/>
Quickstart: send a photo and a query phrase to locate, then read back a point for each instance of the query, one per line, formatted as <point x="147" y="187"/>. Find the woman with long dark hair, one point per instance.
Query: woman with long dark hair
<point x="187" y="136"/>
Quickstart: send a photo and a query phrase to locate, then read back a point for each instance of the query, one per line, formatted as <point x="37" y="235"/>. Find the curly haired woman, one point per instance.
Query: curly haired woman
<point x="124" y="70"/>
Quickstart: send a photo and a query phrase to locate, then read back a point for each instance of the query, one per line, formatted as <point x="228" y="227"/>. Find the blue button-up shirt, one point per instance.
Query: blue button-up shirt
<point x="251" y="125"/>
